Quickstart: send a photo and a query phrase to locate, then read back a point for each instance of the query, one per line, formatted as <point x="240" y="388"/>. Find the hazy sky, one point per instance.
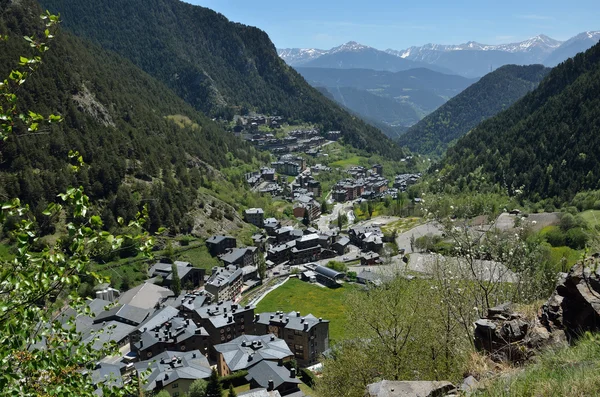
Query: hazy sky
<point x="399" y="24"/>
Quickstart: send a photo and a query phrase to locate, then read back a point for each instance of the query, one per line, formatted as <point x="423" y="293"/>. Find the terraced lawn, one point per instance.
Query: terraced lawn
<point x="296" y="295"/>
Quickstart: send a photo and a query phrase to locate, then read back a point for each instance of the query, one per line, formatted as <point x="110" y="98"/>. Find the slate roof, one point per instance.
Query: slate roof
<point x="132" y="314"/>
<point x="171" y="366"/>
<point x="110" y="374"/>
<point x="216" y="239"/>
<point x="145" y="296"/>
<point x="190" y="301"/>
<point x="248" y="350"/>
<point x="291" y="320"/>
<point x="266" y="371"/>
<point x="165" y="270"/>
<point x="224" y="275"/>
<point x="218" y="314"/>
<point x="113" y="331"/>
<point x="159" y="317"/>
<point x="343" y="241"/>
<point x="233" y="255"/>
<point x="327" y="272"/>
<point x="175" y="330"/>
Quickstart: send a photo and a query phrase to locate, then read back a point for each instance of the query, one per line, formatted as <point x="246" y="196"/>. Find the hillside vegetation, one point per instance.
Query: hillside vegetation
<point x="215" y="65"/>
<point x="489" y="96"/>
<point x="141" y="143"/>
<point x="547" y="145"/>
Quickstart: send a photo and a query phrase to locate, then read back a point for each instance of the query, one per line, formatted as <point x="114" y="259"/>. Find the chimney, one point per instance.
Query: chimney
<point x="297" y="314"/>
<point x="293" y="373"/>
<point x="159" y="384"/>
<point x="280" y="362"/>
<point x="166" y="376"/>
<point x="320" y="319"/>
<point x="141" y="343"/>
<point x="256" y="317"/>
<point x="302" y="320"/>
<point x="271" y="385"/>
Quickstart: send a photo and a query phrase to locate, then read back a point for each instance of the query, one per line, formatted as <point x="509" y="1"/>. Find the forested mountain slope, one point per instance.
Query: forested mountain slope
<point x="119" y="118"/>
<point x="217" y="66"/>
<point x="495" y="92"/>
<point x="547" y="145"/>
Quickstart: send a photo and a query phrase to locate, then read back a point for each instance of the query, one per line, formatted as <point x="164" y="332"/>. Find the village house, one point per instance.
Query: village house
<point x="225" y="283"/>
<point x="187" y="273"/>
<point x="217" y="245"/>
<point x="178" y="333"/>
<point x="248" y="350"/>
<point x="306" y="336"/>
<point x="367" y="238"/>
<point x="274" y="376"/>
<point x="255" y="216"/>
<point x="173" y="371"/>
<point x="224" y="321"/>
<point x="240" y="257"/>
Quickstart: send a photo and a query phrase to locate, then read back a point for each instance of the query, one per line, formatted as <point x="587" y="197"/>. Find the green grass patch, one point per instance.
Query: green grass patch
<point x="349" y="162"/>
<point x="183" y="121"/>
<point x="401" y="225"/>
<point x="570" y="371"/>
<point x="592" y="218"/>
<point x="199" y="257"/>
<point x="564" y="257"/>
<point x="296" y="295"/>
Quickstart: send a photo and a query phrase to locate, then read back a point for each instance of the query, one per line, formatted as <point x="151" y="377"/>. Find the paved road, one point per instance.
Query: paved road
<point x="324" y="220"/>
<point x="403" y="239"/>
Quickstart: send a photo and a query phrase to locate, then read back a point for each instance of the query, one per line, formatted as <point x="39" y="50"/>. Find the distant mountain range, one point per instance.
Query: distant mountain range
<point x="470" y="59"/>
<point x="353" y="55"/>
<point x="392" y="98"/>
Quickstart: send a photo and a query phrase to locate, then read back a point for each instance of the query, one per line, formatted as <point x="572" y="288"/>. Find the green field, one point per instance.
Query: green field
<point x="349" y="162"/>
<point x="296" y="295"/>
<point x="402" y="225"/>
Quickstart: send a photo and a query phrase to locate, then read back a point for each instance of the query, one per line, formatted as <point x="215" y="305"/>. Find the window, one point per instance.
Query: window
<point x="290" y="336"/>
<point x="175" y="385"/>
<point x="176" y="394"/>
<point x="297" y="332"/>
<point x="298" y="347"/>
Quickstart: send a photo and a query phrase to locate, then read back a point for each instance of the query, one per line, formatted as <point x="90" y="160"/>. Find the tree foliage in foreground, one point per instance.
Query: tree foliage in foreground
<point x="41" y="353"/>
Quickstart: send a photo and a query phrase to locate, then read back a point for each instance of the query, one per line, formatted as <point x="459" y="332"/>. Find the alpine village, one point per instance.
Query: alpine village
<point x="189" y="211"/>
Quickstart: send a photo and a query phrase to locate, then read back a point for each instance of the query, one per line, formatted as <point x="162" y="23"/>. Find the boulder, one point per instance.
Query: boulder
<point x="386" y="388"/>
<point x="574" y="307"/>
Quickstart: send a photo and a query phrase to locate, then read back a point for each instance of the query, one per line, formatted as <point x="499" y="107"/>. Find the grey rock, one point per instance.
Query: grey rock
<point x="469" y="385"/>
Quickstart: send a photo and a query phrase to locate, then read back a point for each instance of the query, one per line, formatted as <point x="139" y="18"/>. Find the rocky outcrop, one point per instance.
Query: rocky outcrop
<point x="387" y="388"/>
<point x="574" y="307"/>
<point x="507" y="336"/>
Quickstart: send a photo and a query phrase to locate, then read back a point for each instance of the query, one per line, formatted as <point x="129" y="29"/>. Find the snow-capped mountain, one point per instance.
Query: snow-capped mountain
<point x="299" y="56"/>
<point x="471" y="59"/>
<point x="538" y="48"/>
<point x="571" y="47"/>
<point x="352" y="55"/>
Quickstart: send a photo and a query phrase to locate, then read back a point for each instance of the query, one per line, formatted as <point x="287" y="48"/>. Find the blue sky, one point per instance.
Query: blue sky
<point x="399" y="24"/>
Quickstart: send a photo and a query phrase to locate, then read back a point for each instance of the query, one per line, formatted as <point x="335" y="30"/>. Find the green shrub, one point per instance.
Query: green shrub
<point x="236" y="379"/>
<point x="576" y="239"/>
<point x="555" y="237"/>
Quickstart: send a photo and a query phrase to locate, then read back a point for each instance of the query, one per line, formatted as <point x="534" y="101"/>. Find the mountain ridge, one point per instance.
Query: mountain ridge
<point x="473" y="59"/>
<point x="217" y="66"/>
<point x="490" y="95"/>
